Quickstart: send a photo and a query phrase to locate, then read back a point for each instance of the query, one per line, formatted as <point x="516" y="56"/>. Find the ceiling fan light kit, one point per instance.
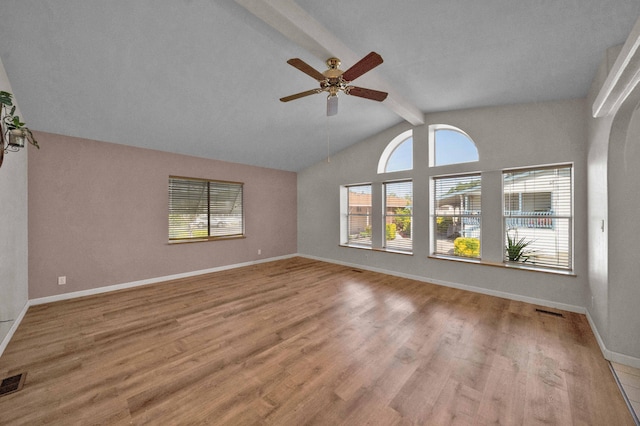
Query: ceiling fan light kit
<point x="334" y="80"/>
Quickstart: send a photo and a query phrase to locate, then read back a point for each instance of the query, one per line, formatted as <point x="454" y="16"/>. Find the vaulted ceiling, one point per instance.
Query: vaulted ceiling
<point x="203" y="77"/>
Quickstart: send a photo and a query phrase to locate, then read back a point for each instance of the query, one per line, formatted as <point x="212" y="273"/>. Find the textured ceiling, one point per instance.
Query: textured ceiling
<point x="203" y="77"/>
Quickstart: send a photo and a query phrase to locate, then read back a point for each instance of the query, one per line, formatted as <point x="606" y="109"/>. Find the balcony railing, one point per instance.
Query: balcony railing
<point x="539" y="220"/>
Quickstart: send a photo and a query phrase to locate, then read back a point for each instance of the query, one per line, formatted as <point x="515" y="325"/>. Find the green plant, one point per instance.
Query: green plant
<point x="443" y="223"/>
<point x="403" y="221"/>
<point x="391" y="231"/>
<point x="466" y="246"/>
<point x="10" y="121"/>
<point x="516" y="249"/>
<point x="366" y="233"/>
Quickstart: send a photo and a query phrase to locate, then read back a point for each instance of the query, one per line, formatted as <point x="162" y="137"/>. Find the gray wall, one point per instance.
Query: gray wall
<point x="506" y="137"/>
<point x="13" y="233"/>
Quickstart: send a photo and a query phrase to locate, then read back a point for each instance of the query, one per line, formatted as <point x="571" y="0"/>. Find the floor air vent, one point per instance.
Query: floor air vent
<point x="555" y="314"/>
<point x="12" y="384"/>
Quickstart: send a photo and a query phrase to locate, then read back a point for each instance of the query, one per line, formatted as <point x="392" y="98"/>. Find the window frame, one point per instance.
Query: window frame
<point x="207" y="210"/>
<point x="348" y="215"/>
<point x="551" y="221"/>
<point x="386" y="216"/>
<point x="390" y="149"/>
<point x="464" y="217"/>
<point x="433" y="130"/>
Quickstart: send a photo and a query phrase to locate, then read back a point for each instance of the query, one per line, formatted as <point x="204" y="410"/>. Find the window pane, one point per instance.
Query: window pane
<point x="453" y="147"/>
<point x="538" y="227"/>
<point x="398" y="215"/>
<point x="457" y="219"/>
<point x="200" y="209"/>
<point x="187" y="208"/>
<point x="225" y="209"/>
<point x="359" y="215"/>
<point x="398" y="154"/>
<point x="401" y="158"/>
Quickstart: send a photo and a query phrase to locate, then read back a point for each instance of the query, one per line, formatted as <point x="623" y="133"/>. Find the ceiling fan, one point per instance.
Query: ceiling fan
<point x="334" y="80"/>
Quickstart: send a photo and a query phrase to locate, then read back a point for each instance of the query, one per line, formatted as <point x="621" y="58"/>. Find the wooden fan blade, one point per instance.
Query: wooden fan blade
<point x="332" y="105"/>
<point x="365" y="64"/>
<point x="374" y="95"/>
<point x="300" y="95"/>
<point x="306" y="68"/>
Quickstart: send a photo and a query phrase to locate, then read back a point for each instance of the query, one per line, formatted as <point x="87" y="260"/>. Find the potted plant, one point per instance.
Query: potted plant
<point x="12" y="126"/>
<point x="516" y="249"/>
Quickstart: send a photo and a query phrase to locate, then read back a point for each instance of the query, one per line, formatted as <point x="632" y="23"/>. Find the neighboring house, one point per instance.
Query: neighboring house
<point x="459" y="210"/>
<point x="360" y="210"/>
<point x="535" y="208"/>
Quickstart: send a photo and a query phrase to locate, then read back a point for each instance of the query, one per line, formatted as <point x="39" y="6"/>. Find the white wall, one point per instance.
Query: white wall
<point x="624" y="232"/>
<point x="623" y="334"/>
<point x="507" y="136"/>
<point x="13" y="234"/>
<point x="614" y="173"/>
<point x="598" y="220"/>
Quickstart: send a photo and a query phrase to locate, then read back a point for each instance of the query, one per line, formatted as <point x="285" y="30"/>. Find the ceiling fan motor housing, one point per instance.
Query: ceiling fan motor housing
<point x="334" y="82"/>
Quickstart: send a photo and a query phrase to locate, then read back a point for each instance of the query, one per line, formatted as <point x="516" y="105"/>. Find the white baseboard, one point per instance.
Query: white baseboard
<point x="122" y="286"/>
<point x="609" y="354"/>
<point x="14" y="327"/>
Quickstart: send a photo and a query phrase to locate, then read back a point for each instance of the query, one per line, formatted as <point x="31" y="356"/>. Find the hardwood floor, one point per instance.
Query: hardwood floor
<point x="298" y="342"/>
<point x="629" y="378"/>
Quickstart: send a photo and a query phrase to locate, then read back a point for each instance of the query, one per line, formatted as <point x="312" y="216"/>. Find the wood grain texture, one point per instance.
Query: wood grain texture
<point x="299" y="341"/>
<point x="629" y="378"/>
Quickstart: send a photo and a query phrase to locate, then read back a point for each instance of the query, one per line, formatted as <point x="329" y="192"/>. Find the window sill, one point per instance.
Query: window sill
<point x="204" y="240"/>
<point x="505" y="265"/>
<point x="383" y="250"/>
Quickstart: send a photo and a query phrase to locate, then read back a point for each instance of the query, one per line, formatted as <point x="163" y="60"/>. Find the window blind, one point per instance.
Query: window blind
<point x="359" y="215"/>
<point x="202" y="209"/>
<point x="457" y="214"/>
<point x="398" y="214"/>
<point x="538" y="212"/>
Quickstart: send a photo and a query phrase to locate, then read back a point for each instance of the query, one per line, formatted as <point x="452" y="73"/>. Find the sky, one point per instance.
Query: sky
<point x="452" y="147"/>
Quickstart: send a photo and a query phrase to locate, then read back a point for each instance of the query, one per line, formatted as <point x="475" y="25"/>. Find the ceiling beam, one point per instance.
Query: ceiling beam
<point x="622" y="79"/>
<point x="298" y="26"/>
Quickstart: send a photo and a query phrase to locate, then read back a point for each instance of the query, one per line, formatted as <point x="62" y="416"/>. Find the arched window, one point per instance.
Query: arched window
<point x="398" y="155"/>
<point x="450" y="145"/>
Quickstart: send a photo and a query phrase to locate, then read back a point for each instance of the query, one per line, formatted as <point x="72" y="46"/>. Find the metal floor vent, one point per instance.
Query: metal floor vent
<point x="12" y="384"/>
<point x="555" y="314"/>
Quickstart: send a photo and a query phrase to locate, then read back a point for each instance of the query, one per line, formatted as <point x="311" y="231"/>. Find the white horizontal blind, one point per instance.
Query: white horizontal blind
<point x="188" y="200"/>
<point x="457" y="213"/>
<point x="225" y="209"/>
<point x="201" y="209"/>
<point x="538" y="212"/>
<point x="359" y="215"/>
<point x="398" y="215"/>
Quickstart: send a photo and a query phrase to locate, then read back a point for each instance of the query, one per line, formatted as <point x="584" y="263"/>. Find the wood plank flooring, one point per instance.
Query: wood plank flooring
<point x="297" y="342"/>
<point x="629" y="378"/>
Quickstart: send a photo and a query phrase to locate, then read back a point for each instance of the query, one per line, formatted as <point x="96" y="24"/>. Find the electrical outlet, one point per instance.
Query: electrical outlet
<point x="259" y="251"/>
<point x="62" y="280"/>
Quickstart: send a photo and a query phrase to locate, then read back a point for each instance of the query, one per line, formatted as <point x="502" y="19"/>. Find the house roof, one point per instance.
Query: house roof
<point x="203" y="78"/>
<point x="364" y="200"/>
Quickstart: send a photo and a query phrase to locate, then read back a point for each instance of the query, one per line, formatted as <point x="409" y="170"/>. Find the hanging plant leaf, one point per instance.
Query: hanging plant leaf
<point x="5" y="98"/>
